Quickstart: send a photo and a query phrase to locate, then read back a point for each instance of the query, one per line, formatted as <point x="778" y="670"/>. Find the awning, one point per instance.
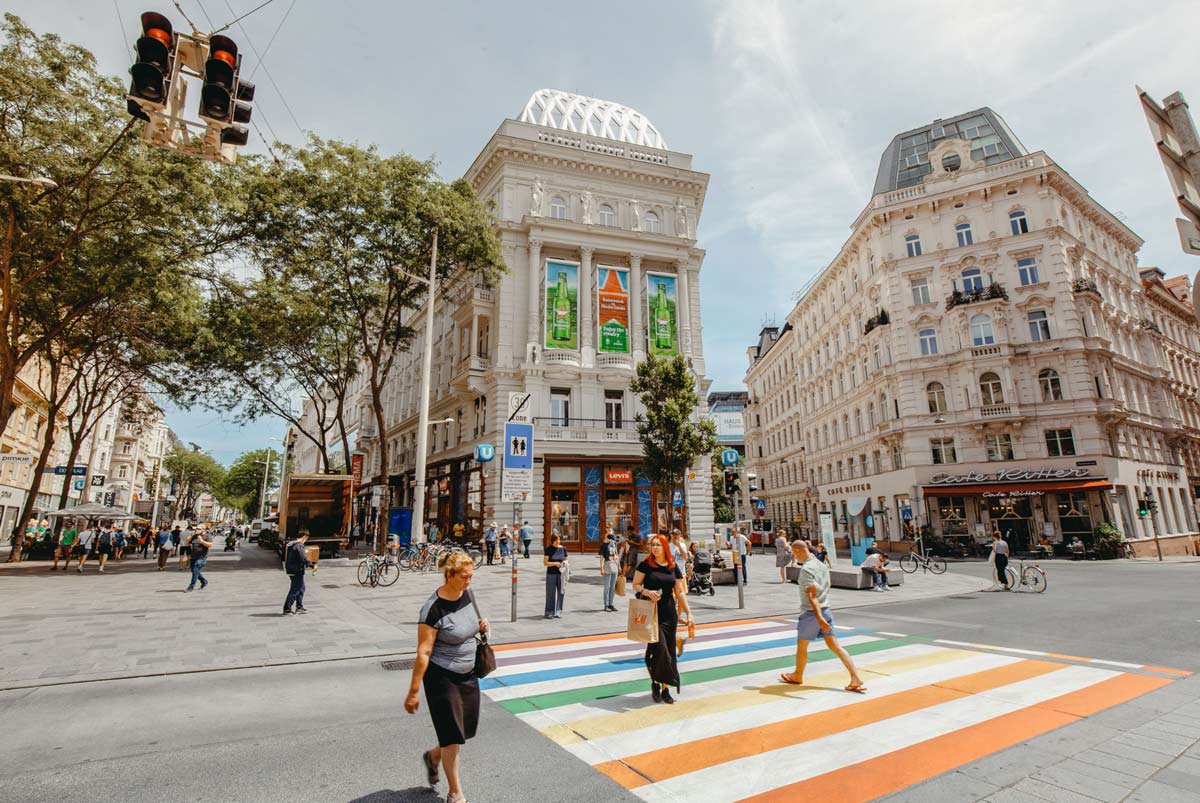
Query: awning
<point x="1010" y="487"/>
<point x="855" y="505"/>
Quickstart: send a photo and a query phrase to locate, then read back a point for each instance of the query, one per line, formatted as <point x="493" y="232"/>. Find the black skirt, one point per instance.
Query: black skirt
<point x="661" y="660"/>
<point x="453" y="700"/>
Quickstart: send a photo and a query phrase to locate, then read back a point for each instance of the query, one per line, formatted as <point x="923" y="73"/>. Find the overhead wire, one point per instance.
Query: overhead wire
<point x="265" y="69"/>
<point x="121" y="23"/>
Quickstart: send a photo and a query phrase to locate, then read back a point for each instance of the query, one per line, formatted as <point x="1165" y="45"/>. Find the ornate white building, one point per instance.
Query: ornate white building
<point x="597" y="224"/>
<point x="979" y="353"/>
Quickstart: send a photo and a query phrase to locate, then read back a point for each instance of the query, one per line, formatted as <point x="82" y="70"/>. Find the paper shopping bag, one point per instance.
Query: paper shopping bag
<point x="620" y="589"/>
<point x="643" y="621"/>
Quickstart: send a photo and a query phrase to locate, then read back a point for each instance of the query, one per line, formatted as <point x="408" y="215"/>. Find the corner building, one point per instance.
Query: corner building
<point x="978" y="354"/>
<point x="597" y="220"/>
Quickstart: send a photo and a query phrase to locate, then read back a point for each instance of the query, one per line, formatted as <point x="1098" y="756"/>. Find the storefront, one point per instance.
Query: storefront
<point x="584" y="499"/>
<point x="1027" y="506"/>
<point x="453" y="495"/>
<point x="11" y="501"/>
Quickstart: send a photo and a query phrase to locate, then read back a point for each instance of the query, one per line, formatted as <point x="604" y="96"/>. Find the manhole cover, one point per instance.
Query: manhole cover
<point x="962" y="596"/>
<point x="405" y="663"/>
<point x="331" y="585"/>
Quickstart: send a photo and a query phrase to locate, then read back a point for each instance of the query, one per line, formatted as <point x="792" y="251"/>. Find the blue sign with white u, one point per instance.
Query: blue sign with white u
<point x="485" y="452"/>
<point x="729" y="457"/>
<point x="518" y="446"/>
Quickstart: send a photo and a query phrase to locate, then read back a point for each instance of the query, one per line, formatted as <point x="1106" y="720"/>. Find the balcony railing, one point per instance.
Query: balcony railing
<point x="554" y="422"/>
<point x="992" y="292"/>
<point x="595" y="430"/>
<point x="1085" y="286"/>
<point x="996" y="411"/>
<point x="614" y="361"/>
<point x="560" y="357"/>
<point x="875" y="321"/>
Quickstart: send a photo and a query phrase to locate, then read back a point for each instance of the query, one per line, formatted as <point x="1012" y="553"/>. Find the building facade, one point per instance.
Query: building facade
<point x="978" y="355"/>
<point x="597" y="220"/>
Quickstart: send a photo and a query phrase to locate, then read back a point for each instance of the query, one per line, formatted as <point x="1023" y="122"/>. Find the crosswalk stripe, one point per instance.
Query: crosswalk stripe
<point x="614" y="637"/>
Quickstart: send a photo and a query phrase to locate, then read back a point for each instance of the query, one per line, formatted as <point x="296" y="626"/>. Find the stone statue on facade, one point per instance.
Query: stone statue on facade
<point x="588" y="204"/>
<point x="681" y="225"/>
<point x="535" y="205"/>
<point x="637" y="215"/>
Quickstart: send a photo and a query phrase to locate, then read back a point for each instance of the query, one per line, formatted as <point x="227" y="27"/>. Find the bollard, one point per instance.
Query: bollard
<point x="514" y="587"/>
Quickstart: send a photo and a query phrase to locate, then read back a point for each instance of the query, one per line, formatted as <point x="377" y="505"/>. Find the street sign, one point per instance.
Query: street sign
<point x="677" y="498"/>
<point x="906" y="513"/>
<point x="520" y="408"/>
<point x="729" y="457"/>
<point x="516" y="483"/>
<point x="760" y="507"/>
<point x="78" y="484"/>
<point x="76" y="471"/>
<point x="98" y="480"/>
<point x="16" y="460"/>
<point x="484" y="452"/>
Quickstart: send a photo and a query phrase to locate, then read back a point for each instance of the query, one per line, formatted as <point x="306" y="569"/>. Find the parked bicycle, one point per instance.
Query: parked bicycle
<point x="378" y="570"/>
<point x="1027" y="575"/>
<point x="930" y="563"/>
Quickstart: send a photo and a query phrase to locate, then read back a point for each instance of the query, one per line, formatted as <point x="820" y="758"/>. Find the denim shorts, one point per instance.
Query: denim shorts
<point x="809" y="629"/>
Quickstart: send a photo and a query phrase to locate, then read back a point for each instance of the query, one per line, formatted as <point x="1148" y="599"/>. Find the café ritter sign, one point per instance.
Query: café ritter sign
<point x="1011" y="475"/>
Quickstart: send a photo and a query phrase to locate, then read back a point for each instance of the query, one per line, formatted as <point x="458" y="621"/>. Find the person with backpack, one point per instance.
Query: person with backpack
<point x="104" y="545"/>
<point x="295" y="561"/>
<point x="164" y="543"/>
<point x="197" y="549"/>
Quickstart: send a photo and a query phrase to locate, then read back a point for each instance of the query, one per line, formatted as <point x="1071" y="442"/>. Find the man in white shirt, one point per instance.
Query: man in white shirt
<point x="816" y="620"/>
<point x="83" y="546"/>
<point x="741" y="543"/>
<point x="875" y="569"/>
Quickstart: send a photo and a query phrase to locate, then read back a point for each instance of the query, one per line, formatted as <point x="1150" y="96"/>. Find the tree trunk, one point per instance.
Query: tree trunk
<point x="39" y="470"/>
<point x="340" y="416"/>
<point x="76" y="446"/>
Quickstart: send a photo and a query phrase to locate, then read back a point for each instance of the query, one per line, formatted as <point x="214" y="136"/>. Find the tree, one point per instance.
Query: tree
<point x="672" y="434"/>
<point x="342" y="223"/>
<point x="126" y="221"/>
<point x="194" y="473"/>
<point x="723" y="506"/>
<point x="243" y="480"/>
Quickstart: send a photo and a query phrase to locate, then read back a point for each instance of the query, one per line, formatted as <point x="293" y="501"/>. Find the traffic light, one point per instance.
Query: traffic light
<point x="1144" y="506"/>
<point x="225" y="97"/>
<point x="152" y="70"/>
<point x="731" y="486"/>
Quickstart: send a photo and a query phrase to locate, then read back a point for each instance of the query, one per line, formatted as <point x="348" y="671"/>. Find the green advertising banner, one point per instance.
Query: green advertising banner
<point x="662" y="317"/>
<point x="562" y="305"/>
<point x="612" y="303"/>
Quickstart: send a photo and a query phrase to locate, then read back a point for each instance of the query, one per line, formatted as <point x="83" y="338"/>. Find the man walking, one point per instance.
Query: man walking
<point x="526" y="534"/>
<point x="742" y="544"/>
<point x="815" y="618"/>
<point x="83" y="547"/>
<point x="181" y="546"/>
<point x="489" y="539"/>
<point x="164" y="542"/>
<point x="197" y="549"/>
<point x="295" y="561"/>
<point x="65" y="544"/>
<point x="104" y="545"/>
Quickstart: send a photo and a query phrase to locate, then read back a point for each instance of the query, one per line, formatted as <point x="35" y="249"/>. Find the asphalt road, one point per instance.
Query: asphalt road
<point x="337" y="731"/>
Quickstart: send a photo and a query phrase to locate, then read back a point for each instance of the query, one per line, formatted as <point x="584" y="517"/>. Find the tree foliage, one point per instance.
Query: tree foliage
<point x="672" y="434"/>
<point x="194" y="473"/>
<point x="243" y="481"/>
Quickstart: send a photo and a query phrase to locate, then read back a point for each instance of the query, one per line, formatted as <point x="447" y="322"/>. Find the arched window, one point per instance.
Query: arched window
<point x="606" y="216"/>
<point x="558" y="208"/>
<point x="990" y="390"/>
<point x="929" y="344"/>
<point x="824" y="435"/>
<point x="651" y="223"/>
<point x="846" y="425"/>
<point x="913" y="243"/>
<point x="936" y="394"/>
<point x="1051" y="387"/>
<point x="981" y="331"/>
<point x="870" y="414"/>
<point x="963" y="232"/>
<point x="1018" y="221"/>
<point x="857" y="421"/>
<point x="972" y="279"/>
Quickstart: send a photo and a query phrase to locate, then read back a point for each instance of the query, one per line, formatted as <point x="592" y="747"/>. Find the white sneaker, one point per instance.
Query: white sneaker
<point x="101" y="568"/>
<point x="877" y="588"/>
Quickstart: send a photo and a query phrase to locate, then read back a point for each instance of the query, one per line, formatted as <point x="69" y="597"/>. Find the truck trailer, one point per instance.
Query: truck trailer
<point x="319" y="503"/>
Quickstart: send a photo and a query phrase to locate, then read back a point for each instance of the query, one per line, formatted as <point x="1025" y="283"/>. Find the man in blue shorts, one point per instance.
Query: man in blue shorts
<point x="816" y="620"/>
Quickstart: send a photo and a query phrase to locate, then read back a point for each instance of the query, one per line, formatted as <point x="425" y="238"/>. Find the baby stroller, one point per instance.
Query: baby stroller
<point x="700" y="581"/>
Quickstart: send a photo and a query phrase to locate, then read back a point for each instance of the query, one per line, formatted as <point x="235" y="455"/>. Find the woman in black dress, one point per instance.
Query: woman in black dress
<point x="658" y="578"/>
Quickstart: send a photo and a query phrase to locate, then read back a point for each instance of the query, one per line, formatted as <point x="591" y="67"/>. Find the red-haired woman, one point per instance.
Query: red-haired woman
<point x="658" y="578"/>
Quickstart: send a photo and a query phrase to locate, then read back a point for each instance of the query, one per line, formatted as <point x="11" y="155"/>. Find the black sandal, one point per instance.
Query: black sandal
<point x="431" y="768"/>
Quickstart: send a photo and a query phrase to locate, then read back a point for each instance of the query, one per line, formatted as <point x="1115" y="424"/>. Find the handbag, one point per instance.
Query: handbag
<point x="642" y="625"/>
<point x="620" y="589"/>
<point x="485" y="656"/>
<point x="565" y="571"/>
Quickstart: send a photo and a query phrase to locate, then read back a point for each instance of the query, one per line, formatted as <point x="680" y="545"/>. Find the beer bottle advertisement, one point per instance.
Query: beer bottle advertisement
<point x="662" y="315"/>
<point x="562" y="305"/>
<point x="612" y="301"/>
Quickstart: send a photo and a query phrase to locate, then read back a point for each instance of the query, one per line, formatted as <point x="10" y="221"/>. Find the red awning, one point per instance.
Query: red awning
<point x="1000" y="488"/>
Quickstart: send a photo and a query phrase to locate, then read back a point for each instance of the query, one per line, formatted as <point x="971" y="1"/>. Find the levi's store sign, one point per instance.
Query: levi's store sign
<point x="1011" y="475"/>
<point x="618" y="476"/>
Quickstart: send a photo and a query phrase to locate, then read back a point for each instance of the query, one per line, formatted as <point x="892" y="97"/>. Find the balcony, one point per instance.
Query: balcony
<point x="984" y="351"/>
<point x="1081" y="286"/>
<point x="586" y="430"/>
<point x="468" y="374"/>
<point x="624" y="361"/>
<point x="996" y="411"/>
<point x="560" y="357"/>
<point x="993" y="292"/>
<point x="875" y="321"/>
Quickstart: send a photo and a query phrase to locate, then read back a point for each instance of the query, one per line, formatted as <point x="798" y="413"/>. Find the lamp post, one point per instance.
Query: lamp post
<point x="418" y="513"/>
<point x="262" y="494"/>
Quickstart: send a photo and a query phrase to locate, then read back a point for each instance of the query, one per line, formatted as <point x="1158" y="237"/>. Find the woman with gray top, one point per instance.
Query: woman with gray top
<point x="783" y="555"/>
<point x="445" y="667"/>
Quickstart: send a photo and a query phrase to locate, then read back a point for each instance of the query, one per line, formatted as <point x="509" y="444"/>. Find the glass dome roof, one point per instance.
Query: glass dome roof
<point x="599" y="118"/>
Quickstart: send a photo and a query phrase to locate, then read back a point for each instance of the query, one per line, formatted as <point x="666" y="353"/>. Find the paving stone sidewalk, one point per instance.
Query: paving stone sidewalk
<point x="133" y="621"/>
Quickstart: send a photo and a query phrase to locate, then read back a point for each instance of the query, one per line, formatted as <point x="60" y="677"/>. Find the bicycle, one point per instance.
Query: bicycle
<point x="930" y="563"/>
<point x="376" y="570"/>
<point x="1029" y="575"/>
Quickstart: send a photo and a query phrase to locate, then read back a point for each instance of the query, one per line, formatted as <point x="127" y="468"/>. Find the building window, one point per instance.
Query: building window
<point x="1027" y="268"/>
<point x="963" y="232"/>
<point x="871" y="414"/>
<point x="990" y="390"/>
<point x="606" y="215"/>
<point x="943" y="451"/>
<point x="125" y="447"/>
<point x="913" y="243"/>
<point x="1019" y="223"/>
<point x="897" y="457"/>
<point x="981" y="331"/>
<point x="560" y="407"/>
<point x="928" y="342"/>
<point x="1039" y="326"/>
<point x="920" y="291"/>
<point x="614" y="407"/>
<point x="651" y="223"/>
<point x="1060" y="443"/>
<point x="972" y="279"/>
<point x="936" y="394"/>
<point x="1051" y="387"/>
<point x="558" y="208"/>
<point x="999" y="447"/>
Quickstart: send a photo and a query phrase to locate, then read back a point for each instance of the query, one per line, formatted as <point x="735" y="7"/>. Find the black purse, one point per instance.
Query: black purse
<point x="485" y="656"/>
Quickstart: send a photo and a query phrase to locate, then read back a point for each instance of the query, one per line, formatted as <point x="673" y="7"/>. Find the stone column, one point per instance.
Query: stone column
<point x="637" y="343"/>
<point x="684" y="310"/>
<point x="534" y="308"/>
<point x="587" y="348"/>
<point x="473" y="347"/>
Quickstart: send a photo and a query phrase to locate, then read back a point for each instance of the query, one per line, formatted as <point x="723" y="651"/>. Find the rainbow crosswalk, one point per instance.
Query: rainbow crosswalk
<point x="738" y="734"/>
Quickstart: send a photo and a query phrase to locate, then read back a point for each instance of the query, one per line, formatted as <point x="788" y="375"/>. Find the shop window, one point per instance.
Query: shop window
<point x="1060" y="443"/>
<point x="999" y="447"/>
<point x="943" y="451"/>
<point x="560" y="407"/>
<point x="1074" y="516"/>
<point x="1051" y="387"/>
<point x="952" y="512"/>
<point x="936" y="394"/>
<point x="991" y="392"/>
<point x="564" y="514"/>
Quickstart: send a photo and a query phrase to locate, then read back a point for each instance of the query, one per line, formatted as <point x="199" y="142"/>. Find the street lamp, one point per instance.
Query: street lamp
<point x="37" y="181"/>
<point x="418" y="513"/>
<point x="262" y="496"/>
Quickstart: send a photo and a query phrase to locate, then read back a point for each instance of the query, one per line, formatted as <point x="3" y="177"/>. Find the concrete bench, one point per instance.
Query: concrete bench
<point x="849" y="577"/>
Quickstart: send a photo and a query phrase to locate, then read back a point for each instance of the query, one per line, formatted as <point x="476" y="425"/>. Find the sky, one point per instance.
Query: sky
<point x="787" y="105"/>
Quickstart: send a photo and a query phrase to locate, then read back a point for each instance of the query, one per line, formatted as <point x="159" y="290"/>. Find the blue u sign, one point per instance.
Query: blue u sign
<point x="729" y="457"/>
<point x="485" y="452"/>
